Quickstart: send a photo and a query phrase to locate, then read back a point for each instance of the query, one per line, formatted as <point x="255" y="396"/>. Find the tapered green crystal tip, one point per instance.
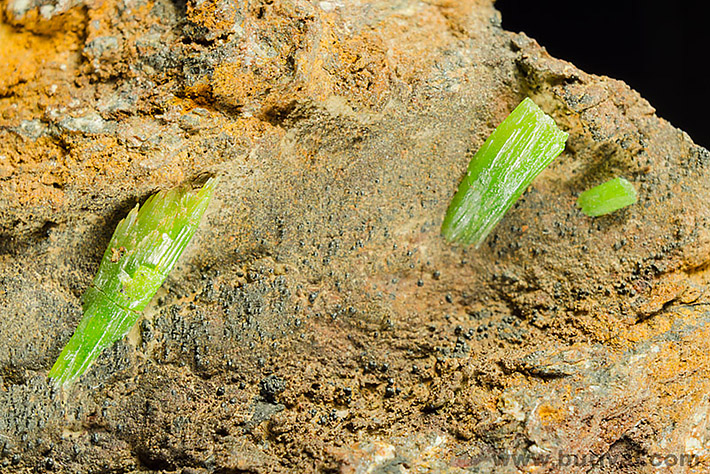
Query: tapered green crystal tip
<point x="143" y="250"/>
<point x="608" y="197"/>
<point x="500" y="171"/>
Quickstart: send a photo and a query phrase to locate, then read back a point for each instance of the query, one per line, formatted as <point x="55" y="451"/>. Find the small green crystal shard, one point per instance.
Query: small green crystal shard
<point x="143" y="250"/>
<point x="515" y="153"/>
<point x="607" y="197"/>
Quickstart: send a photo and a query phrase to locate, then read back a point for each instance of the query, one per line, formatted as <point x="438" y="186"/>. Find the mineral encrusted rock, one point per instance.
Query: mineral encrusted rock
<point x="319" y="321"/>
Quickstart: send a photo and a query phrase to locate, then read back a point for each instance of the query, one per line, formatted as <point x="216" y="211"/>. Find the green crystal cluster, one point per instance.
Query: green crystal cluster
<point x="143" y="250"/>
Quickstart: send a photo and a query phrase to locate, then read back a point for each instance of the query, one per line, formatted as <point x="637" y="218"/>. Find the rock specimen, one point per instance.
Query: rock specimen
<point x="318" y="321"/>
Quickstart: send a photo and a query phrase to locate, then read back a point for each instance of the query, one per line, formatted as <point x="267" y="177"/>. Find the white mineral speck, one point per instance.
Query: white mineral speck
<point x="20" y="7"/>
<point x="693" y="445"/>
<point x="46" y="11"/>
<point x="90" y="123"/>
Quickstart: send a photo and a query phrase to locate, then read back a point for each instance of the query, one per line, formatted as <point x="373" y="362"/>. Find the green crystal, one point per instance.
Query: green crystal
<point x="607" y="197"/>
<point x="512" y="156"/>
<point x="143" y="250"/>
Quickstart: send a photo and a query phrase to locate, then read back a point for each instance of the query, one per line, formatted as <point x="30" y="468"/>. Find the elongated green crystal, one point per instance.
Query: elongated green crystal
<point x="143" y="250"/>
<point x="500" y="171"/>
<point x="607" y="197"/>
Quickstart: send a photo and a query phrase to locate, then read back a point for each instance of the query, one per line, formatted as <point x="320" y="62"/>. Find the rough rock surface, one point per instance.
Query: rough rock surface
<point x="319" y="322"/>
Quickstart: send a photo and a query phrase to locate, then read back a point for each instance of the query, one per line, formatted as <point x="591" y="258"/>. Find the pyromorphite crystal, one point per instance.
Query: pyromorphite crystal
<point x="517" y="151"/>
<point x="144" y="248"/>
<point x="607" y="197"/>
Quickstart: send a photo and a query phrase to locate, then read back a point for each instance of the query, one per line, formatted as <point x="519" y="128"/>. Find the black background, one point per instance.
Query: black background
<point x="658" y="48"/>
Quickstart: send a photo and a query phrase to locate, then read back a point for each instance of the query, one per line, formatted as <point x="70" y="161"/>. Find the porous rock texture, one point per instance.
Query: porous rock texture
<point x="318" y="321"/>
